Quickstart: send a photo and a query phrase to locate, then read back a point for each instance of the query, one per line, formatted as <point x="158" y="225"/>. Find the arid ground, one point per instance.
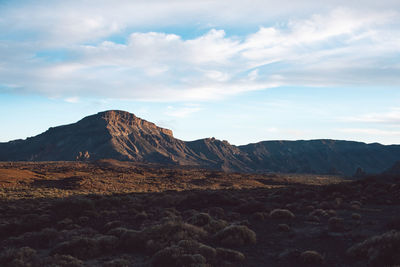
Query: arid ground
<point x="111" y="213"/>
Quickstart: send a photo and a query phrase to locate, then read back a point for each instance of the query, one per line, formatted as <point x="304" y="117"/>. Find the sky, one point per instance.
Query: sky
<point x="242" y="71"/>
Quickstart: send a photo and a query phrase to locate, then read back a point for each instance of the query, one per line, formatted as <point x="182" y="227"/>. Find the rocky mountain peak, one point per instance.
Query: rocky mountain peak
<point x="123" y="122"/>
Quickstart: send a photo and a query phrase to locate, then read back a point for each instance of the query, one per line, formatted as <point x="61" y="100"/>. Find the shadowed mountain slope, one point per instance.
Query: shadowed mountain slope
<point x="123" y="136"/>
<point x="321" y="156"/>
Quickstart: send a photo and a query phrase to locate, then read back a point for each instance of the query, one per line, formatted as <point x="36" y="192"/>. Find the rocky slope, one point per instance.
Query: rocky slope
<point x="123" y="136"/>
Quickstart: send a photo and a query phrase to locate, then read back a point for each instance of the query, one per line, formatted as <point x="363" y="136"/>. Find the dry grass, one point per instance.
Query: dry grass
<point x="64" y="179"/>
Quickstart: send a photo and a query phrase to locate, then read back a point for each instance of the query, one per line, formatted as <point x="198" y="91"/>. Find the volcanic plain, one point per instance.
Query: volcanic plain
<point x="116" y="213"/>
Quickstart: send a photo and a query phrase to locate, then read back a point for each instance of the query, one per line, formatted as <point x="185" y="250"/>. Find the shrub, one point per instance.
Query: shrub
<point x="312" y="257"/>
<point x="207" y="251"/>
<point x="190" y="246"/>
<point x="235" y="235"/>
<point x="259" y="216"/>
<point x="343" y="188"/>
<point x="7" y="229"/>
<point x="86" y="231"/>
<point x="31" y="222"/>
<point x="195" y="260"/>
<point x="356" y="216"/>
<point x="110" y="225"/>
<point x="230" y="255"/>
<point x="336" y="224"/>
<point x="216" y="212"/>
<point x="130" y="239"/>
<point x="64" y="261"/>
<point x="326" y="205"/>
<point x="281" y="214"/>
<point x="284" y="227"/>
<point x="357" y="203"/>
<point x="42" y="239"/>
<point x="141" y="216"/>
<point x="318" y="213"/>
<point x="80" y="247"/>
<point x="175" y="256"/>
<point x="106" y="243"/>
<point x="379" y="250"/>
<point x="86" y="248"/>
<point x="83" y="220"/>
<point x="24" y="256"/>
<point x="332" y="212"/>
<point x="117" y="263"/>
<point x="160" y="236"/>
<point x="394" y="224"/>
<point x="215" y="225"/>
<point x="118" y="232"/>
<point x="186" y="253"/>
<point x="200" y="219"/>
<point x="250" y="207"/>
<point x="289" y="254"/>
<point x="174" y="231"/>
<point x="64" y="223"/>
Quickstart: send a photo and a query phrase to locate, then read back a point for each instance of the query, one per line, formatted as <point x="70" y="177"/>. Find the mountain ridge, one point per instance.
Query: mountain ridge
<point x="121" y="135"/>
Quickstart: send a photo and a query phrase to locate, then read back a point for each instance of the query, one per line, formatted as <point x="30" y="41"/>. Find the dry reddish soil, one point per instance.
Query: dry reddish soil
<point x="111" y="213"/>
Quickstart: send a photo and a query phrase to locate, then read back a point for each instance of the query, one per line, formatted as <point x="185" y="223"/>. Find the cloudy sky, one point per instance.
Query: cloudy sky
<point x="243" y="71"/>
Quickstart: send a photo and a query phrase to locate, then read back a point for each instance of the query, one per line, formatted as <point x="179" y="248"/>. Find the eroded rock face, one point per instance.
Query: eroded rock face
<point x="122" y="122"/>
<point x="123" y="136"/>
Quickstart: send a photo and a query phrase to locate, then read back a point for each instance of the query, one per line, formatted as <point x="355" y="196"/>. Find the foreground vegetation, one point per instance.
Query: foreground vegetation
<point x="112" y="213"/>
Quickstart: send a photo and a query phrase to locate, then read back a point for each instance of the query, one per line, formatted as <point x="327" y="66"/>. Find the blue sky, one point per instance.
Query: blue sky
<point x="241" y="72"/>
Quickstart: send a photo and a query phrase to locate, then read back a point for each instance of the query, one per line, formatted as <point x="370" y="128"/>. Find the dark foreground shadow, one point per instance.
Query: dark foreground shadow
<point x="296" y="224"/>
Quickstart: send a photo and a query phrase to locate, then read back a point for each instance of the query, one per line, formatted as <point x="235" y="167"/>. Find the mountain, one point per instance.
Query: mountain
<point x="123" y="136"/>
<point x="119" y="135"/>
<point x="320" y="156"/>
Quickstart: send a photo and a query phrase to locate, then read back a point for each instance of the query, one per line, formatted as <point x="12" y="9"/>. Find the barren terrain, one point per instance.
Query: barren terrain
<point x="112" y="213"/>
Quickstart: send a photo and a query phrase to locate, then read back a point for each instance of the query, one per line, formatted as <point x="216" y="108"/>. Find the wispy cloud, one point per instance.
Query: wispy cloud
<point x="73" y="99"/>
<point x="182" y="112"/>
<point x="391" y="117"/>
<point x="370" y="131"/>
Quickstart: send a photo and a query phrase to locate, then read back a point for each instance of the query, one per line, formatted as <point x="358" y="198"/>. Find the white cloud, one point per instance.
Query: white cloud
<point x="370" y="131"/>
<point x="72" y="99"/>
<point x="182" y="112"/>
<point x="345" y="46"/>
<point x="391" y="117"/>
